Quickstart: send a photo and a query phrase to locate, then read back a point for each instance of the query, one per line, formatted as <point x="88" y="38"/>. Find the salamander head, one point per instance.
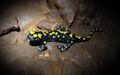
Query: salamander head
<point x="35" y="36"/>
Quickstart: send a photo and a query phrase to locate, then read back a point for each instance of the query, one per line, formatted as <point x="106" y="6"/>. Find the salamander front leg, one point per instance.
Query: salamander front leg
<point x="41" y="48"/>
<point x="64" y="47"/>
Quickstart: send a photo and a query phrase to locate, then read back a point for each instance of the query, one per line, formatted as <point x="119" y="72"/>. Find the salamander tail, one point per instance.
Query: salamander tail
<point x="89" y="36"/>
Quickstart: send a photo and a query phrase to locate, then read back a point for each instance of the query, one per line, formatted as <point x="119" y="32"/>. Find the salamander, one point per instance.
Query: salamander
<point x="61" y="35"/>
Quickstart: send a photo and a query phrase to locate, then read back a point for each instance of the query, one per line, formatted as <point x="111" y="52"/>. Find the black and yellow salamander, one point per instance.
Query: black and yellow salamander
<point x="61" y="35"/>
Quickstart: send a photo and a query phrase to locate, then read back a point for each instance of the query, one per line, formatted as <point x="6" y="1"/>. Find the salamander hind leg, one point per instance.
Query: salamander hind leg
<point x="62" y="28"/>
<point x="41" y="48"/>
<point x="64" y="47"/>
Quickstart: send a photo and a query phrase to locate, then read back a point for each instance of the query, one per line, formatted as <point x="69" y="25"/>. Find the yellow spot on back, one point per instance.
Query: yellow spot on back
<point x="35" y="35"/>
<point x="34" y="29"/>
<point x="44" y="42"/>
<point x="71" y="41"/>
<point x="71" y="35"/>
<point x="58" y="30"/>
<point x="64" y="32"/>
<point x="53" y="32"/>
<point x="50" y="34"/>
<point x="39" y="35"/>
<point x="56" y="33"/>
<point x="63" y="36"/>
<point x="84" y="38"/>
<point x="88" y="36"/>
<point x="91" y="32"/>
<point x="58" y="36"/>
<point x="32" y="32"/>
<point x="53" y="36"/>
<point x="44" y="33"/>
<point x="78" y="37"/>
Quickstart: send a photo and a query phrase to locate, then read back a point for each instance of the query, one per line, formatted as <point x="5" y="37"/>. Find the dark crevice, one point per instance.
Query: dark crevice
<point x="75" y="18"/>
<point x="9" y="30"/>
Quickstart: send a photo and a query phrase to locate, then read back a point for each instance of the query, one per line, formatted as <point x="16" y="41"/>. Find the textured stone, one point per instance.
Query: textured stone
<point x="64" y="8"/>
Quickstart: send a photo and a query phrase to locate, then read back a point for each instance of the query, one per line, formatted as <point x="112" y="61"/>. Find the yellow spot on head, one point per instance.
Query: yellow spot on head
<point x="35" y="35"/>
<point x="71" y="35"/>
<point x="63" y="36"/>
<point x="84" y="38"/>
<point x="40" y="35"/>
<point x="32" y="32"/>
